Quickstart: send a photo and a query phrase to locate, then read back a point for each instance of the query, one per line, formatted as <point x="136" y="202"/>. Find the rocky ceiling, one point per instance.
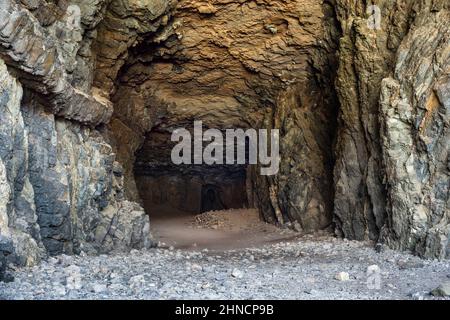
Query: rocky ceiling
<point x="223" y="62"/>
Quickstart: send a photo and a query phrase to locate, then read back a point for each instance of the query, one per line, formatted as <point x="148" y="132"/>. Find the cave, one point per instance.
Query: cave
<point x="172" y="77"/>
<point x="93" y="92"/>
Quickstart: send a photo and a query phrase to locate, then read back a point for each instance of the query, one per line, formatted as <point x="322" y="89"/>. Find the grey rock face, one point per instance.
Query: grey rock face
<point x="359" y="201"/>
<point x="415" y="135"/>
<point x="6" y="248"/>
<point x="300" y="195"/>
<point x="391" y="172"/>
<point x="59" y="191"/>
<point x="2" y="267"/>
<point x="42" y="66"/>
<point x="18" y="219"/>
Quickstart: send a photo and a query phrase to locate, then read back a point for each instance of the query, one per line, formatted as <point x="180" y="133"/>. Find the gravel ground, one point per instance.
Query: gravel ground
<point x="307" y="268"/>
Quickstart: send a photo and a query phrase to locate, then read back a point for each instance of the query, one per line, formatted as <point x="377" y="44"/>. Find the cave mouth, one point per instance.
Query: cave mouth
<point x="168" y="190"/>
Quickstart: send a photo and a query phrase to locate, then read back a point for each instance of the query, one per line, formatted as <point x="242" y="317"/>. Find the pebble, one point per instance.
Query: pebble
<point x="270" y="272"/>
<point x="409" y="264"/>
<point x="196" y="267"/>
<point x="59" y="290"/>
<point x="380" y="248"/>
<point x="65" y="260"/>
<point x="236" y="273"/>
<point x="417" y="296"/>
<point x="342" y="276"/>
<point x="136" y="281"/>
<point x="73" y="282"/>
<point x="117" y="287"/>
<point x="442" y="291"/>
<point x="99" y="287"/>
<point x="311" y="291"/>
<point x="206" y="285"/>
<point x="72" y="270"/>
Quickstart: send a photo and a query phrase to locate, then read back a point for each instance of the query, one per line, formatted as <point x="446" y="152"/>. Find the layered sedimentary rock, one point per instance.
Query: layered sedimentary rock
<point x="61" y="186"/>
<point x="86" y="87"/>
<point x="63" y="189"/>
<point x="39" y="56"/>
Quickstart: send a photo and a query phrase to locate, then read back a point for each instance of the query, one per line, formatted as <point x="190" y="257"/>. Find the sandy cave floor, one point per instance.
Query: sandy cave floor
<point x="232" y="255"/>
<point x="215" y="230"/>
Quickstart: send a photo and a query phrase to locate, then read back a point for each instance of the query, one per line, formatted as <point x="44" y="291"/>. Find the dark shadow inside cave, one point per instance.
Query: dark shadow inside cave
<point x="168" y="190"/>
<point x="212" y="198"/>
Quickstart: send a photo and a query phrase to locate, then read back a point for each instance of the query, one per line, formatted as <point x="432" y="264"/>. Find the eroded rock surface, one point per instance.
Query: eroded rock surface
<point x="61" y="187"/>
<point x="363" y="114"/>
<point x="415" y="136"/>
<point x="42" y="62"/>
<point x="391" y="175"/>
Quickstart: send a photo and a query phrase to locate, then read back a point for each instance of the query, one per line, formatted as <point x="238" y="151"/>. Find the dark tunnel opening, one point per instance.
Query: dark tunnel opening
<point x="167" y="189"/>
<point x="212" y="198"/>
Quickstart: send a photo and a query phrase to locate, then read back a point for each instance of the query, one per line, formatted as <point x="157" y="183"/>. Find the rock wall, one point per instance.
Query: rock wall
<point x="42" y="59"/>
<point x="363" y="114"/>
<point x="62" y="187"/>
<point x="163" y="186"/>
<point x="391" y="177"/>
<point x="415" y="137"/>
<point x="62" y="190"/>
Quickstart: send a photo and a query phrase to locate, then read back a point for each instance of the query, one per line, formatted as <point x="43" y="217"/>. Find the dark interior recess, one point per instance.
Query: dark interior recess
<point x="192" y="189"/>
